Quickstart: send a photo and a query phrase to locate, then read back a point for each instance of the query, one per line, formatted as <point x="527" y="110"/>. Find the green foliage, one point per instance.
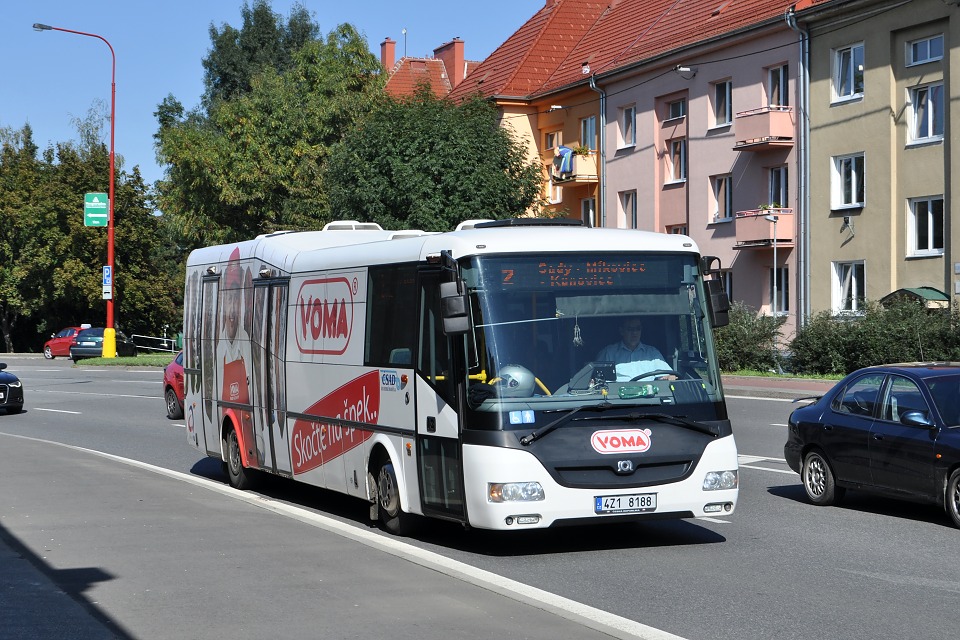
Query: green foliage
<point x="427" y="163"/>
<point x="749" y="341"/>
<point x="253" y="164"/>
<point x="901" y="332"/>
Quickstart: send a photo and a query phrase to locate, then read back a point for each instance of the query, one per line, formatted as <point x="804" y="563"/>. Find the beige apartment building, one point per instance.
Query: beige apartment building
<point x="881" y="102"/>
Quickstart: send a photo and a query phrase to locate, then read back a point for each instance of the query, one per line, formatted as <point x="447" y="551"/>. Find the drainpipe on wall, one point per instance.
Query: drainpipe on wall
<point x="602" y="168"/>
<point x="803" y="188"/>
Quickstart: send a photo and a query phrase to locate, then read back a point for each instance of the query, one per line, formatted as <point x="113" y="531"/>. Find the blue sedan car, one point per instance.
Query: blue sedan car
<point x="11" y="391"/>
<point x="892" y="429"/>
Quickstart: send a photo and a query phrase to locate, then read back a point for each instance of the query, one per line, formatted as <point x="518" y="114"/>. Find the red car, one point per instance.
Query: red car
<point x="59" y="343"/>
<point x="173" y="387"/>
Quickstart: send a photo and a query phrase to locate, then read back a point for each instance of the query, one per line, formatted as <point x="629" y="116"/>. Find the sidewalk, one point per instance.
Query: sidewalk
<point x="775" y="387"/>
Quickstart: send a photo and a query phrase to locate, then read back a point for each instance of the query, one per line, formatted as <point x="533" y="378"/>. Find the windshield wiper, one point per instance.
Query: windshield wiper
<point x="680" y="421"/>
<point x="547" y="428"/>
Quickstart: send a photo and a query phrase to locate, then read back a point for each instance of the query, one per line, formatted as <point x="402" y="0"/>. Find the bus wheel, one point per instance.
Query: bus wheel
<point x="239" y="476"/>
<point x="392" y="517"/>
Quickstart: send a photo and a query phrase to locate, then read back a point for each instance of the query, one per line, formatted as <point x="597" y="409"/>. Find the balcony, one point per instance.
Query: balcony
<point x="582" y="170"/>
<point x="754" y="231"/>
<point x="765" y="129"/>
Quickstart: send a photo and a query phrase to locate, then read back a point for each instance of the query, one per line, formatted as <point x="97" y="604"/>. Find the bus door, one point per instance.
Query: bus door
<point x="267" y="377"/>
<point x="209" y="296"/>
<point x="438" y="421"/>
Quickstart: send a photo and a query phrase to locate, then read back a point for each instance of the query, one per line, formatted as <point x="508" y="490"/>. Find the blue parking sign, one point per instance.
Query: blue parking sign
<point x="107" y="276"/>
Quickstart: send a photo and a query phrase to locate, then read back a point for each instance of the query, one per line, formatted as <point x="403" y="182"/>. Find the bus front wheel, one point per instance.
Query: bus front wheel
<point x="239" y="476"/>
<point x="392" y="518"/>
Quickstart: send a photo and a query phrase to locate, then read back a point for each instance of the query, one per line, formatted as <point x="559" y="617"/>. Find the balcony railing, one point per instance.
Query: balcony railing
<point x="765" y="128"/>
<point x="582" y="170"/>
<point x="755" y="231"/>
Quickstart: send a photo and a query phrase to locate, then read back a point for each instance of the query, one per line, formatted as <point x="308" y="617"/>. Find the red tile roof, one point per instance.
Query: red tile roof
<point x="409" y="73"/>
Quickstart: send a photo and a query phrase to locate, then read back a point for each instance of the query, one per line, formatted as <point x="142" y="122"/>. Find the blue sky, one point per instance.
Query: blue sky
<point x="51" y="78"/>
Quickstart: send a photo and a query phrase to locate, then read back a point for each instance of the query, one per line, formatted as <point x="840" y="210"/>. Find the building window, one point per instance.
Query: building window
<point x="925" y="50"/>
<point x="551" y="140"/>
<point x="588" y="212"/>
<point x="726" y="275"/>
<point x="848" y="72"/>
<point x="849" y="287"/>
<point x="926" y="226"/>
<point x="588" y="133"/>
<point x="555" y="193"/>
<point x="777" y="83"/>
<point x="628" y="203"/>
<point x="927" y="113"/>
<point x="848" y="179"/>
<point x="782" y="295"/>
<point x="677" y="229"/>
<point x="722" y="103"/>
<point x="628" y="126"/>
<point x="677" y="109"/>
<point x="779" y="193"/>
<point x="677" y="160"/>
<point x="722" y="197"/>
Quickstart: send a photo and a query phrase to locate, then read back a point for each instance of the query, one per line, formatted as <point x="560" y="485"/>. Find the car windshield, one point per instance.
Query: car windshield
<point x="558" y="331"/>
<point x="946" y="395"/>
<point x="90" y="333"/>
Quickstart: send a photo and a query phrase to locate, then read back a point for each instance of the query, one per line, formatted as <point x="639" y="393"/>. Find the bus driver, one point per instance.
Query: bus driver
<point x="632" y="357"/>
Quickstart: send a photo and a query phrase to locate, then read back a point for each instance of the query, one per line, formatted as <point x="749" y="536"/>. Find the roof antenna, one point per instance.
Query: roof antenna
<point x="404" y="42"/>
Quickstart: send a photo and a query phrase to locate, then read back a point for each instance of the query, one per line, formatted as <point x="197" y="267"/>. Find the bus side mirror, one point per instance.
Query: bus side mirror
<point x="718" y="302"/>
<point x="453" y="308"/>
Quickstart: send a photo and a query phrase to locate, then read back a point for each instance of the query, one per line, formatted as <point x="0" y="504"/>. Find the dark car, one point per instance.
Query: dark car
<point x="89" y="344"/>
<point x="173" y="387"/>
<point x="892" y="429"/>
<point x="59" y="342"/>
<point x="11" y="391"/>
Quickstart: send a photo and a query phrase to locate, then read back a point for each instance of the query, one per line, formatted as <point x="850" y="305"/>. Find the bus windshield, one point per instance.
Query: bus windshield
<point x="556" y="331"/>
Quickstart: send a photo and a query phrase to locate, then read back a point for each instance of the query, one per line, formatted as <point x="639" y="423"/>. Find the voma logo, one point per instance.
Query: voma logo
<point x="621" y="441"/>
<point x="324" y="316"/>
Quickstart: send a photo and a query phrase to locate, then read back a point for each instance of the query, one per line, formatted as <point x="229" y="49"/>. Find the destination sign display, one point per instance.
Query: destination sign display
<point x="577" y="272"/>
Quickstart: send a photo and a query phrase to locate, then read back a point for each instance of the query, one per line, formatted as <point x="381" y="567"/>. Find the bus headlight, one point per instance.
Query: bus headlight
<point x="717" y="480"/>
<point x="514" y="492"/>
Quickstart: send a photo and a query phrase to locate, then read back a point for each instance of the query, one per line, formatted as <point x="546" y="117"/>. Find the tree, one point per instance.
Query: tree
<point x="263" y="42"/>
<point x="424" y="162"/>
<point x="253" y="165"/>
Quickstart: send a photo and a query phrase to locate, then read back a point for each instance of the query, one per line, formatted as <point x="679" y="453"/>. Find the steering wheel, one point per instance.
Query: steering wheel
<point x="657" y="372"/>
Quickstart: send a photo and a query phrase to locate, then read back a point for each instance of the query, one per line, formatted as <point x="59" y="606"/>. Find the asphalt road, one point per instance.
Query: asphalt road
<point x="169" y="551"/>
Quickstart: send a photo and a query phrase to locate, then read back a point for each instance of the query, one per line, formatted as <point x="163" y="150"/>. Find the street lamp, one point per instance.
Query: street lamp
<point x="774" y="219"/>
<point x="109" y="332"/>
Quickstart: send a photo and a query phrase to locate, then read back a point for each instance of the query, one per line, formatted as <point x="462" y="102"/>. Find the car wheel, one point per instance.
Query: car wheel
<point x="48" y="352"/>
<point x="952" y="499"/>
<point x="239" y="476"/>
<point x="818" y="480"/>
<point x="174" y="410"/>
<point x="392" y="517"/>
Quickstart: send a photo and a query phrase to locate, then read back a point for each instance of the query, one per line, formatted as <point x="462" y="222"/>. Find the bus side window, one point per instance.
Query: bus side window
<point x="391" y="315"/>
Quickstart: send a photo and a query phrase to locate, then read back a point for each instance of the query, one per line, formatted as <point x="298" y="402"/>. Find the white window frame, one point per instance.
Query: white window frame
<point x="588" y="132"/>
<point x="845" y="63"/>
<point x="779" y="190"/>
<point x="722" y="189"/>
<point x="783" y="290"/>
<point x="778" y="86"/>
<point x="928" y="99"/>
<point x="722" y="103"/>
<point x="555" y="193"/>
<point x="588" y="211"/>
<point x="922" y="211"/>
<point x="628" y="126"/>
<point x="677" y="109"/>
<point x="844" y="169"/>
<point x="676" y="172"/>
<point x="551" y="140"/>
<point x="628" y="204"/>
<point x="922" y="46"/>
<point x="849" y="287"/>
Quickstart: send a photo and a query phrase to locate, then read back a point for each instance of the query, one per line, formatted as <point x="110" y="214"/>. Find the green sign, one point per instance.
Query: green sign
<point x="95" y="210"/>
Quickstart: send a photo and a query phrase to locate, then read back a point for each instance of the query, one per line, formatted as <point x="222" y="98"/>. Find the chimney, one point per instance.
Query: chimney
<point x="388" y="53"/>
<point x="451" y="54"/>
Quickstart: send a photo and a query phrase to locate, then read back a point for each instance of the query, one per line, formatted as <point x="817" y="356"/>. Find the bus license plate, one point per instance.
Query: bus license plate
<point x="633" y="503"/>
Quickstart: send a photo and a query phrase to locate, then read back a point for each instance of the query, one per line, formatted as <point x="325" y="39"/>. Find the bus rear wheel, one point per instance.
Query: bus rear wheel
<point x="392" y="518"/>
<point x="239" y="476"/>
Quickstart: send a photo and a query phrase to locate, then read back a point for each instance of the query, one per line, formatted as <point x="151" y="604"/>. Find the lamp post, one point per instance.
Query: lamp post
<point x="109" y="332"/>
<point x="773" y="302"/>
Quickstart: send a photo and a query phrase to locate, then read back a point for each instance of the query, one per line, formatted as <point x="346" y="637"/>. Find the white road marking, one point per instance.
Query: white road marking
<point x="88" y="393"/>
<point x="76" y="413"/>
<point x="786" y="471"/>
<point x="715" y="520"/>
<point x="591" y="617"/>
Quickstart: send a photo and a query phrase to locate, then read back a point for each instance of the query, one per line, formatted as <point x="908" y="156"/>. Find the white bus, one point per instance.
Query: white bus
<point x="463" y="375"/>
